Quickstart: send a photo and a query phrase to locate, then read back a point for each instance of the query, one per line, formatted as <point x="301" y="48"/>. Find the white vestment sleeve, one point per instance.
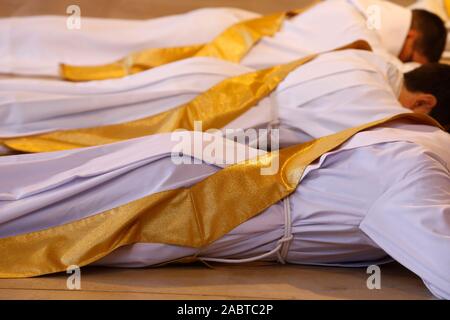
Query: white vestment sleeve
<point x="411" y="222"/>
<point x="36" y="45"/>
<point x="31" y="106"/>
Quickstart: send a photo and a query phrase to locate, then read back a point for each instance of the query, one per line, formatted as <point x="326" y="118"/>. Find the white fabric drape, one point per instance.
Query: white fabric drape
<point x="36" y="45"/>
<point x="30" y="106"/>
<point x="342" y="80"/>
<point x="384" y="192"/>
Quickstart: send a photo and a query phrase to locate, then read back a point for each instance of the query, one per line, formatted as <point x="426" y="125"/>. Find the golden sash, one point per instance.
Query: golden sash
<point x="191" y="217"/>
<point x="215" y="108"/>
<point x="231" y="45"/>
<point x="447" y="7"/>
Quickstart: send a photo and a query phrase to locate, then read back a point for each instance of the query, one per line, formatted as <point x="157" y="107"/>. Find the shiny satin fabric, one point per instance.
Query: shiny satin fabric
<point x="231" y="45"/>
<point x="215" y="108"/>
<point x="134" y="63"/>
<point x="447" y="7"/>
<point x="191" y="217"/>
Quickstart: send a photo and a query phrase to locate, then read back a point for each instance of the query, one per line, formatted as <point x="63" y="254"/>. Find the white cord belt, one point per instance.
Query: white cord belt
<point x="281" y="250"/>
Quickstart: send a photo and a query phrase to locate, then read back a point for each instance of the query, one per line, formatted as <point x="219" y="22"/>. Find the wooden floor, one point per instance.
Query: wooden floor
<point x="221" y="282"/>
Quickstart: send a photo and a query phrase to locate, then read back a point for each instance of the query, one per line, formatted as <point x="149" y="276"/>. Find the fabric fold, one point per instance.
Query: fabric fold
<point x="231" y="45"/>
<point x="192" y="217"/>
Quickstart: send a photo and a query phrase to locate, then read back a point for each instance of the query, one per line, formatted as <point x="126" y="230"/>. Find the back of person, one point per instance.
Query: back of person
<point x="347" y="89"/>
<point x="385" y="189"/>
<point x="327" y="25"/>
<point x="337" y="90"/>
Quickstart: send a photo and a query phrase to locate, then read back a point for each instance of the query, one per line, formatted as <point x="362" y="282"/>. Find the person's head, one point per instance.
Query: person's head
<point x="426" y="38"/>
<point x="427" y="90"/>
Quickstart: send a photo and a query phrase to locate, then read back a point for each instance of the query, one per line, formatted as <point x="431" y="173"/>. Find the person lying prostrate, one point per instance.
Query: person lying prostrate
<point x="400" y="34"/>
<point x="403" y="36"/>
<point x="383" y="195"/>
<point x="343" y="89"/>
<point x="334" y="91"/>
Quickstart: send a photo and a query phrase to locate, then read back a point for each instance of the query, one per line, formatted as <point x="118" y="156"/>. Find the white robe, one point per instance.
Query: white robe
<point x="31" y="106"/>
<point x="332" y="24"/>
<point x="349" y="82"/>
<point x="382" y="195"/>
<point x="36" y="45"/>
<point x="336" y="91"/>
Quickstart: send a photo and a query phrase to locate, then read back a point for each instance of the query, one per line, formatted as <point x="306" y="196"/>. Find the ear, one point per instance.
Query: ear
<point x="412" y="35"/>
<point x="406" y="55"/>
<point x="424" y="103"/>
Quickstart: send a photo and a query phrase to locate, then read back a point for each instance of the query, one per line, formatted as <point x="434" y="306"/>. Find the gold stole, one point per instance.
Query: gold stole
<point x="190" y="217"/>
<point x="231" y="45"/>
<point x="215" y="108"/>
<point x="447" y="7"/>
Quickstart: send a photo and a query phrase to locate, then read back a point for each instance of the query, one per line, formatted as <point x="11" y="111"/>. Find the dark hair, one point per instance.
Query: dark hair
<point x="433" y="78"/>
<point x="433" y="34"/>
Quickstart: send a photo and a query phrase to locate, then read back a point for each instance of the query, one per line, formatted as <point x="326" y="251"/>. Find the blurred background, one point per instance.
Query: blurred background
<point x="143" y="9"/>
